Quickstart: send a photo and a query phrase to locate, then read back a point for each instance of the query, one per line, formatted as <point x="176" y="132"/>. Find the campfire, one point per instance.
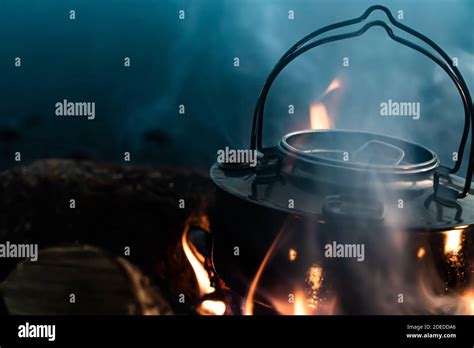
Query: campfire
<point x="342" y="221"/>
<point x="294" y="277"/>
<point x="327" y="221"/>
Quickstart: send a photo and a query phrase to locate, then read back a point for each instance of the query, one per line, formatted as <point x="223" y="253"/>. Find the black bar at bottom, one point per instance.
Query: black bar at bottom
<point x="291" y="330"/>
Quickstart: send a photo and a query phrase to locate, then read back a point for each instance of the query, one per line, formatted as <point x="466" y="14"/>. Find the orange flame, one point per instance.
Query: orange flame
<point x="453" y="242"/>
<point x="197" y="263"/>
<point x="197" y="260"/>
<point x="292" y="254"/>
<point x="421" y="252"/>
<point x="303" y="301"/>
<point x="468" y="300"/>
<point x="248" y="309"/>
<point x="300" y="303"/>
<point x="212" y="307"/>
<point x="319" y="117"/>
<point x="318" y="113"/>
<point x="335" y="84"/>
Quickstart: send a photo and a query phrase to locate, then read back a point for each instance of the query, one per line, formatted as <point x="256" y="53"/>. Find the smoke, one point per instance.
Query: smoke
<point x="191" y="62"/>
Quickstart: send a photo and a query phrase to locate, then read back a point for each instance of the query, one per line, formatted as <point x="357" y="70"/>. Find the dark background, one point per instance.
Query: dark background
<point x="190" y="62"/>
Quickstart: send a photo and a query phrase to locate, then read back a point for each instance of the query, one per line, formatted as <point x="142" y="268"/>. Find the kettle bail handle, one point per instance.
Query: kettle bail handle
<point x="444" y="61"/>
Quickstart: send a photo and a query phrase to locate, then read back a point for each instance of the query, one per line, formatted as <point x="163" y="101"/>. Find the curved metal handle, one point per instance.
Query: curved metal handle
<point x="305" y="45"/>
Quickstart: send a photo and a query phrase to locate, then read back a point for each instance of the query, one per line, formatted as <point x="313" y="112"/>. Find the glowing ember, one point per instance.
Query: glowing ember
<point x="319" y="116"/>
<point x="314" y="277"/>
<point x="453" y="242"/>
<point x="314" y="280"/>
<point x="311" y="299"/>
<point x="212" y="307"/>
<point x="421" y="252"/>
<point x="292" y="254"/>
<point x="300" y="303"/>
<point x="468" y="299"/>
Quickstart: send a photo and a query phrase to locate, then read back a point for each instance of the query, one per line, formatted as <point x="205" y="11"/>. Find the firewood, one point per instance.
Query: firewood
<point x="134" y="212"/>
<point x="80" y="279"/>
